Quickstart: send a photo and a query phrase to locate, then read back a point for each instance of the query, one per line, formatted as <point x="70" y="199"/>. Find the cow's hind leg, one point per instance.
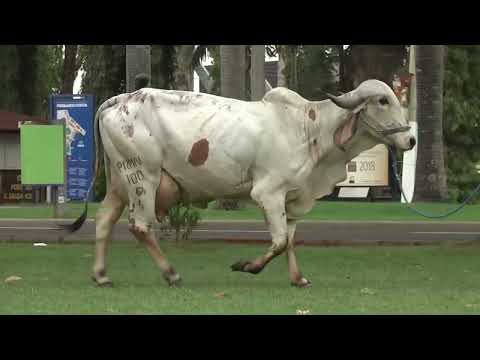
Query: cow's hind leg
<point x="142" y="185"/>
<point x="274" y="208"/>
<point x="150" y="241"/>
<point x="108" y="214"/>
<point x="296" y="277"/>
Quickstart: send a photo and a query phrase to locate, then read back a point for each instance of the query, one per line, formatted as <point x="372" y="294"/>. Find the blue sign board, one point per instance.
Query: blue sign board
<point x="78" y="113"/>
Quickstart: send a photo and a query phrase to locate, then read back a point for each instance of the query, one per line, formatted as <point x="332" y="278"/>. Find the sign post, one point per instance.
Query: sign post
<point x="77" y="113"/>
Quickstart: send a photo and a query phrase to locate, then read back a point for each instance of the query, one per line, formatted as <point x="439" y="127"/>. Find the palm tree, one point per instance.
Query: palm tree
<point x="257" y="74"/>
<point x="431" y="179"/>
<point x="183" y="70"/>
<point x="232" y="70"/>
<point x="232" y="85"/>
<point x="27" y="78"/>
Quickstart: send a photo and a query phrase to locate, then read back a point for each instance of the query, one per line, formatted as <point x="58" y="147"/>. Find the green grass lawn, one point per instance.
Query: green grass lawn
<point x="371" y="280"/>
<point x="324" y="210"/>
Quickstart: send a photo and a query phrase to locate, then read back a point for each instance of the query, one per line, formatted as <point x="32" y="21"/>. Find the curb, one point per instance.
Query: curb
<point x="307" y="243"/>
<point x="263" y="222"/>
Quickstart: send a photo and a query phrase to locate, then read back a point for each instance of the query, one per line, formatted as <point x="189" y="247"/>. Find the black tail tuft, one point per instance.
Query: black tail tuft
<point x="71" y="228"/>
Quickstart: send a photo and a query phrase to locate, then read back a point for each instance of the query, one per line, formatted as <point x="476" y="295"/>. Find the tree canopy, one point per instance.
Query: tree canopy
<point x="30" y="73"/>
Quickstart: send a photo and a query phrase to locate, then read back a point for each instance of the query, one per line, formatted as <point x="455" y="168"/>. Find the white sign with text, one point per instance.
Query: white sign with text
<point x="370" y="168"/>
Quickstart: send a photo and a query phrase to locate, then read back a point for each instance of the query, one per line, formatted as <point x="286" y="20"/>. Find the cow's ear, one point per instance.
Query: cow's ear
<point x="360" y="107"/>
<point x="346" y="131"/>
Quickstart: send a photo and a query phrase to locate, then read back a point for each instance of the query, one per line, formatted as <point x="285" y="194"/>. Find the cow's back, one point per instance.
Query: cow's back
<point x="206" y="143"/>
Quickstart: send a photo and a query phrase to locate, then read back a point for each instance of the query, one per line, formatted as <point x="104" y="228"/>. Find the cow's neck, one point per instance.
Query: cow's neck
<point x="327" y="162"/>
<point x="362" y="141"/>
<point x="319" y="133"/>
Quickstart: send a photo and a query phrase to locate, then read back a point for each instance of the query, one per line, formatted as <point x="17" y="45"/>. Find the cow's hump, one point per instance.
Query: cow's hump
<point x="285" y="96"/>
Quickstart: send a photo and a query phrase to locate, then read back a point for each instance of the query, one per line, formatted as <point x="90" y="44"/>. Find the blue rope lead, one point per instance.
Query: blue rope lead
<point x="424" y="214"/>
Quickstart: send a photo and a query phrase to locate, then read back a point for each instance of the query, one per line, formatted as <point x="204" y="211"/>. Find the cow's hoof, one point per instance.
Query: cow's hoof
<point x="176" y="283"/>
<point x="105" y="282"/>
<point x="247" y="266"/>
<point x="173" y="280"/>
<point x="241" y="266"/>
<point x="302" y="284"/>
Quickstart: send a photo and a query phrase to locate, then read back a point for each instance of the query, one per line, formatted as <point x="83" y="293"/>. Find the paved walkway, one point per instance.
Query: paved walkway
<point x="310" y="233"/>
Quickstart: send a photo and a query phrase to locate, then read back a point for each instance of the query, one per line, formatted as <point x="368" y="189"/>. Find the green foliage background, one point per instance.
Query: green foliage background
<point x="461" y="121"/>
<point x="30" y="73"/>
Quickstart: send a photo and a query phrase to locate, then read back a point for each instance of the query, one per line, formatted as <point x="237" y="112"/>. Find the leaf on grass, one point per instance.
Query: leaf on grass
<point x="220" y="295"/>
<point x="11" y="279"/>
<point x="303" y="312"/>
<point x="367" y="291"/>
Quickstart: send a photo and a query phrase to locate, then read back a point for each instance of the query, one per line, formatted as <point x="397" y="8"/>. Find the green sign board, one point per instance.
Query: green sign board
<point x="42" y="157"/>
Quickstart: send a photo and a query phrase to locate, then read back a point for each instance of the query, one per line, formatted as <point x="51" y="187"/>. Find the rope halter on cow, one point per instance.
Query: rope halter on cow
<point x="386" y="132"/>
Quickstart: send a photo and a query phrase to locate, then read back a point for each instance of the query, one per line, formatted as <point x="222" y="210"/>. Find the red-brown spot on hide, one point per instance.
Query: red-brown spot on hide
<point x="128" y="130"/>
<point x="199" y="153"/>
<point x="312" y="115"/>
<point x="124" y="108"/>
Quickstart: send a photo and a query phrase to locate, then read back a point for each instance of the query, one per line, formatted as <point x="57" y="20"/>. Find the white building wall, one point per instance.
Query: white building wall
<point x="9" y="151"/>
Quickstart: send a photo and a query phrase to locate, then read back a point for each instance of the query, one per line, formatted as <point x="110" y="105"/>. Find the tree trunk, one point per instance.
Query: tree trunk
<point x="138" y="61"/>
<point x="232" y="85"/>
<point x="257" y="72"/>
<point x="341" y="68"/>
<point x="232" y="71"/>
<point x="288" y="66"/>
<point x="183" y="73"/>
<point x="27" y="78"/>
<point x="109" y="71"/>
<point x="69" y="69"/>
<point x="281" y="78"/>
<point x="431" y="179"/>
<point x="163" y="66"/>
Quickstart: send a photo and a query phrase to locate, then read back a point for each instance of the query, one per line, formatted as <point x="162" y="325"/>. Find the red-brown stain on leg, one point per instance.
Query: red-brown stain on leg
<point x="199" y="153"/>
<point x="312" y="115"/>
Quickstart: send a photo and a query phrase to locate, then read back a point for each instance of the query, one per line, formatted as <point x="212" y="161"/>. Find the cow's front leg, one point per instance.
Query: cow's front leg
<point x="108" y="214"/>
<point x="296" y="277"/>
<point x="275" y="217"/>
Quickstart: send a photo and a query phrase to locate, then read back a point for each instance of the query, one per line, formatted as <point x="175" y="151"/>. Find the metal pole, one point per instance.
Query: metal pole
<point x="60" y="192"/>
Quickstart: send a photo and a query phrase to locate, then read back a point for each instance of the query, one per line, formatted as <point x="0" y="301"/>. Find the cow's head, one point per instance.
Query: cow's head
<point x="378" y="113"/>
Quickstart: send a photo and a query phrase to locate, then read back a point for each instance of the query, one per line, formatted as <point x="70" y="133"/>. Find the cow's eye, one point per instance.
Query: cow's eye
<point x="383" y="101"/>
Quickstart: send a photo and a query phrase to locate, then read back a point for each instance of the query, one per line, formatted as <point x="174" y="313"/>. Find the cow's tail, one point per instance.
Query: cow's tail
<point x="71" y="228"/>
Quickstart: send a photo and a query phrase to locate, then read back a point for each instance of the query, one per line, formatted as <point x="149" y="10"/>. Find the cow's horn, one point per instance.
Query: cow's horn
<point x="348" y="101"/>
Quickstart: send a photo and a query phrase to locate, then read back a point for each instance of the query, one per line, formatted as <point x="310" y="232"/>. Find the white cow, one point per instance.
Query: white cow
<point x="162" y="147"/>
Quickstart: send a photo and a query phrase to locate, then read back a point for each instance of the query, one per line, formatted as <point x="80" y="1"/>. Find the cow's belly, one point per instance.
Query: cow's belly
<point x="210" y="181"/>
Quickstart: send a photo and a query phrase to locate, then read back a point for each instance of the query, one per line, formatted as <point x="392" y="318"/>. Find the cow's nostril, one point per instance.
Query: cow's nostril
<point x="413" y="142"/>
